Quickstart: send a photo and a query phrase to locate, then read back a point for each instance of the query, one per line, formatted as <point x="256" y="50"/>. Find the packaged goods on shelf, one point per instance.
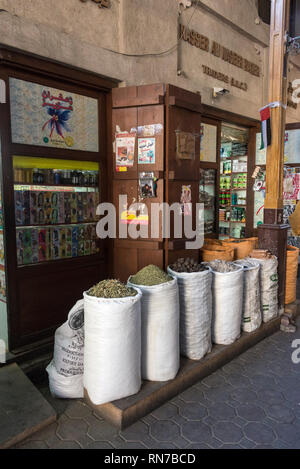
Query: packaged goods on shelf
<point x="53" y="207"/>
<point x="40" y="244"/>
<point x="195" y="299"/>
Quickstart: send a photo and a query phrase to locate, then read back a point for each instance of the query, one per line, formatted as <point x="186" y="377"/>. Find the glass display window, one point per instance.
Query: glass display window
<point x="55" y="208"/>
<point x="233" y="181"/>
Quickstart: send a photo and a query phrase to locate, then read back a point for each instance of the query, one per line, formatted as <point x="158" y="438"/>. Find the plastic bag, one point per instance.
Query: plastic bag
<point x="195" y="298"/>
<point x="66" y="369"/>
<point x="268" y="288"/>
<point x="112" y="355"/>
<point x="160" y="331"/>
<point x="69" y="343"/>
<point x="227" y="306"/>
<point x="64" y="387"/>
<point x="252" y="317"/>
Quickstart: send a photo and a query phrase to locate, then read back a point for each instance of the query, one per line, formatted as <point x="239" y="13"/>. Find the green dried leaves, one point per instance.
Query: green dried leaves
<point x="150" y="276"/>
<point x="111" y="289"/>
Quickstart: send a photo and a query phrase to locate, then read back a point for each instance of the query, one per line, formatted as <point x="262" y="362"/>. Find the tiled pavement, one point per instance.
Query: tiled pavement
<point x="252" y="402"/>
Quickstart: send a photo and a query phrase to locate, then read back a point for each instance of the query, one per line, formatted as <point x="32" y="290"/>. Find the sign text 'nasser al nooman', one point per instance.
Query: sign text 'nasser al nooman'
<point x="216" y="49"/>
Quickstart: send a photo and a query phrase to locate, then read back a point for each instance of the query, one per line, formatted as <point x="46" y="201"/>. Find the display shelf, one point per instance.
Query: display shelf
<point x="56" y="225"/>
<point x="58" y="186"/>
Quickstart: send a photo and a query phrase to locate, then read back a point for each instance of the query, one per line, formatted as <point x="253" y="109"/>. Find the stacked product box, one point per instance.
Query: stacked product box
<point x="40" y="244"/>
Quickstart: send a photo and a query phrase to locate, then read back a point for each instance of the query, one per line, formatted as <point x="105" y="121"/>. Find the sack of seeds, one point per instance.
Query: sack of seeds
<point x="160" y="323"/>
<point x="268" y="288"/>
<point x="66" y="369"/>
<point x="195" y="298"/>
<point x="227" y="291"/>
<point x="252" y="317"/>
<point x="112" y="355"/>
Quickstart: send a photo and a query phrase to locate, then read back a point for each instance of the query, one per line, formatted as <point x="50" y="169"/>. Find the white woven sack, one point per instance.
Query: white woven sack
<point x="69" y="343"/>
<point x="160" y="331"/>
<point x="64" y="387"/>
<point x="112" y="355"/>
<point x="195" y="298"/>
<point x="252" y="317"/>
<point x="227" y="306"/>
<point x="269" y="288"/>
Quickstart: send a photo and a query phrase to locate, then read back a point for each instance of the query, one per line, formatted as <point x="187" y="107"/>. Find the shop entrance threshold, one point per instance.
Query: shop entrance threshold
<point x="124" y="412"/>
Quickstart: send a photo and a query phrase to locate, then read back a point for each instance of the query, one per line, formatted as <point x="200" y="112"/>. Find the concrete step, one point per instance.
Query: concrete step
<point x="23" y="410"/>
<point x="152" y="395"/>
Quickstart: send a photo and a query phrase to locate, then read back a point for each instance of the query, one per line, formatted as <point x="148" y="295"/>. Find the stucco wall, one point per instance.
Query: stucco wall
<point x="77" y="33"/>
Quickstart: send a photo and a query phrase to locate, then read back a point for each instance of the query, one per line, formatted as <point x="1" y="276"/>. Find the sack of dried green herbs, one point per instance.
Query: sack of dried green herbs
<point x="112" y="355"/>
<point x="160" y="323"/>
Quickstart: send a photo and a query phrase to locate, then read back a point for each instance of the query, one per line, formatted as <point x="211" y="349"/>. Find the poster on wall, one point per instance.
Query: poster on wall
<point x="49" y="117"/>
<point x="186" y="200"/>
<point x="185" y="145"/>
<point x="146" y="150"/>
<point x="291" y="186"/>
<point x="125" y="144"/>
<point x="261" y="155"/>
<point x="208" y="145"/>
<point x="259" y="202"/>
<point x="292" y="146"/>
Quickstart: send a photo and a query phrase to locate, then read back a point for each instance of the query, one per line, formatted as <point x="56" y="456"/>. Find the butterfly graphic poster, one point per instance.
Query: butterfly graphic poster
<point x="45" y="116"/>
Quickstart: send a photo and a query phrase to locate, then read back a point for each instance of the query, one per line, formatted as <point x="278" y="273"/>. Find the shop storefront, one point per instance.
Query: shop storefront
<point x="203" y="146"/>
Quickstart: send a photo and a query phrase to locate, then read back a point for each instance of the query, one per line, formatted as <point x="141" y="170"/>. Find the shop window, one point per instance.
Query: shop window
<point x="55" y="208"/>
<point x="233" y="182"/>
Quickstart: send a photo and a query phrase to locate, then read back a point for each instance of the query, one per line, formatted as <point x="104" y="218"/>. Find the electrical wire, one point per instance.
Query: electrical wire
<point x="153" y="54"/>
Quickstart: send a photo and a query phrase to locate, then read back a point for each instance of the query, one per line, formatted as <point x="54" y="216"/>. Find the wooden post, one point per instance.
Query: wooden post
<point x="273" y="234"/>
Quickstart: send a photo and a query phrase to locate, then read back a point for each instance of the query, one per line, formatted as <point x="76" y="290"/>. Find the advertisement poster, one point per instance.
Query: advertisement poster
<point x="45" y="116"/>
<point x="185" y="145"/>
<point x="259" y="202"/>
<point x="125" y="144"/>
<point x="261" y="155"/>
<point x="291" y="186"/>
<point x="292" y="146"/>
<point x="208" y="145"/>
<point x="146" y="150"/>
<point x="147" y="185"/>
<point x="186" y="200"/>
